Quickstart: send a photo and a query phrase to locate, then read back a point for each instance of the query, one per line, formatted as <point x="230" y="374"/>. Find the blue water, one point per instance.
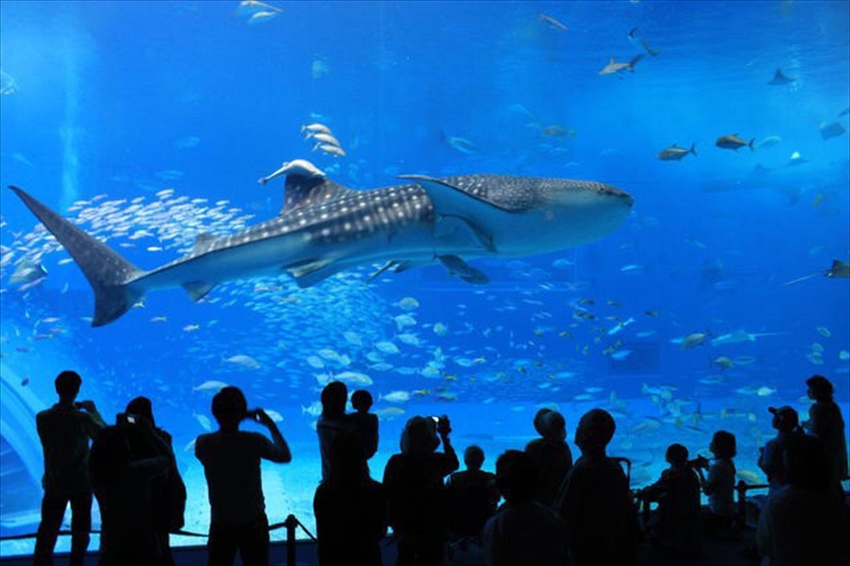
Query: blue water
<point x="125" y="99"/>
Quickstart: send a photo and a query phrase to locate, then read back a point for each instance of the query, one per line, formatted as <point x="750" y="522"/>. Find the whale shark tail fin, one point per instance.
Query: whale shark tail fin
<point x="108" y="273"/>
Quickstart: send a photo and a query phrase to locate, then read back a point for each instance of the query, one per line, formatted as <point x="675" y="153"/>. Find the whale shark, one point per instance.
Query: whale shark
<point x="325" y="228"/>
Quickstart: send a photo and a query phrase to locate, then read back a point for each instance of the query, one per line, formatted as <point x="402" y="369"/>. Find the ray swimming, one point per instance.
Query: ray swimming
<point x="325" y="228"/>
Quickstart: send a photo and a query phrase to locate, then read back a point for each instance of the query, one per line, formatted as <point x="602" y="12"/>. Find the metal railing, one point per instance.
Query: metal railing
<point x="291" y="524"/>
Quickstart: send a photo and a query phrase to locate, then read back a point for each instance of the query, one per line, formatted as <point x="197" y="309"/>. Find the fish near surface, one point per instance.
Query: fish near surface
<point x="326" y="228"/>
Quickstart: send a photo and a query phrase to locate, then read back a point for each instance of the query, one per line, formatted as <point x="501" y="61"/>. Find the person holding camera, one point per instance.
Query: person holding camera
<point x="65" y="430"/>
<point x="125" y="482"/>
<point x="416" y="494"/>
<point x="231" y="460"/>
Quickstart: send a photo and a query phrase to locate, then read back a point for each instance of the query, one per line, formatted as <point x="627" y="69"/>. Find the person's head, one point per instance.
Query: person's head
<point x="229" y="406"/>
<point x="785" y="418"/>
<point x="554" y="426"/>
<point x="806" y="463"/>
<point x="516" y="476"/>
<point x="677" y="455"/>
<point x="723" y="444"/>
<point x="594" y="431"/>
<point x="142" y="407"/>
<point x="539" y="418"/>
<point x="419" y="437"/>
<point x="820" y="388"/>
<point x="361" y="400"/>
<point x="473" y="457"/>
<point x="334" y="398"/>
<point x="68" y="385"/>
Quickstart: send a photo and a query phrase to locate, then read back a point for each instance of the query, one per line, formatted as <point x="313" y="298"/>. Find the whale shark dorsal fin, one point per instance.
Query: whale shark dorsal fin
<point x="303" y="191"/>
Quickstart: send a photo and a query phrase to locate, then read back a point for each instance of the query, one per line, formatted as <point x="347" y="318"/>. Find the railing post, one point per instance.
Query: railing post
<point x="291" y="522"/>
<point x="742" y="504"/>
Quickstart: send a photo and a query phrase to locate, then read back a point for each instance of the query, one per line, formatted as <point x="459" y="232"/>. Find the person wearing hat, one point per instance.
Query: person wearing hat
<point x="825" y="423"/>
<point x="771" y="458"/>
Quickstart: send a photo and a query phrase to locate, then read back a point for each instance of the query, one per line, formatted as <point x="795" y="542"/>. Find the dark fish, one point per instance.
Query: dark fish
<point x="845" y="112"/>
<point x="780" y="78"/>
<point x="641" y="42"/>
<point x="676" y="153"/>
<point x="838" y="269"/>
<point x="831" y="130"/>
<point x="733" y="142"/>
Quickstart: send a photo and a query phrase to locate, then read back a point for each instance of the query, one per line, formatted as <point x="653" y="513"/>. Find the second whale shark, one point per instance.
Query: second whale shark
<point x="325" y="228"/>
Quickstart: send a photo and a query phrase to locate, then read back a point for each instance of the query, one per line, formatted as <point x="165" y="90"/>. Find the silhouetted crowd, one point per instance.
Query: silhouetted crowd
<point x="554" y="511"/>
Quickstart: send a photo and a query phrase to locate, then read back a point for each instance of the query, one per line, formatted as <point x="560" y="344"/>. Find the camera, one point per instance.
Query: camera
<point x="442" y="424"/>
<point x="699" y="462"/>
<point x="253" y="414"/>
<point x="126" y="418"/>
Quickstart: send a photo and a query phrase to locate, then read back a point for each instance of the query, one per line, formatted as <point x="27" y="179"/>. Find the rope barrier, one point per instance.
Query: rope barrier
<point x="183" y="533"/>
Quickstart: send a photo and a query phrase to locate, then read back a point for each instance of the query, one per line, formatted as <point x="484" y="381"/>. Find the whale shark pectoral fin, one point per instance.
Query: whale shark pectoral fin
<point x="466" y="272"/>
<point x="397" y="266"/>
<point x="389" y="265"/>
<point x="198" y="289"/>
<point x="309" y="272"/>
<point x="452" y="230"/>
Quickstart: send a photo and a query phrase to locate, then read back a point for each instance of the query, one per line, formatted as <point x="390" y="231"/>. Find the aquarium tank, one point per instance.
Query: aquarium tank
<point x="709" y="286"/>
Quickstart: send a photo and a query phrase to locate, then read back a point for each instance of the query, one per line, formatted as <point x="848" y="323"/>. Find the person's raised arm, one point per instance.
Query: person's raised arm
<point x="280" y="449"/>
<point x="90" y="409"/>
<point x="444" y="428"/>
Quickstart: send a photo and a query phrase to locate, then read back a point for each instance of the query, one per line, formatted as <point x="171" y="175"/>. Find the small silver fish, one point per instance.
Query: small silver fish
<point x="330" y="149"/>
<point x="316" y="128"/>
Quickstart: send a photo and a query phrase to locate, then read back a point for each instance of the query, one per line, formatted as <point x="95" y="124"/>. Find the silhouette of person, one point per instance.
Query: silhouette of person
<point x="524" y="532"/>
<point x="595" y="502"/>
<point x="416" y="495"/>
<point x="350" y="508"/>
<point x="361" y="400"/>
<point x="231" y="460"/>
<point x="679" y="525"/>
<point x="333" y="422"/>
<point x="169" y="491"/>
<point x="551" y="454"/>
<point x="472" y="496"/>
<point x="804" y="522"/>
<point x="65" y="430"/>
<point x="826" y="423"/>
<point x="719" y="486"/>
<point x="124" y="486"/>
<point x="771" y="458"/>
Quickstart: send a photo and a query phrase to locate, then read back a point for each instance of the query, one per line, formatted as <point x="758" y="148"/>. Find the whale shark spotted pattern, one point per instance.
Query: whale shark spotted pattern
<point x="325" y="228"/>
